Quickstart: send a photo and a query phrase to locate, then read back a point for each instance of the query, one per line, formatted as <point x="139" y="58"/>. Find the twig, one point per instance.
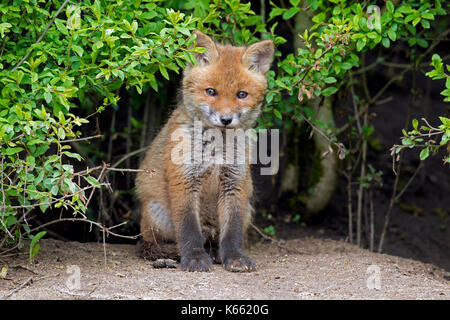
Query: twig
<point x="28" y="281"/>
<point x="107" y="230"/>
<point x="350" y="206"/>
<point x="47" y="276"/>
<point x="394" y="196"/>
<point x="104" y="247"/>
<point x="372" y="221"/>
<point x="126" y="156"/>
<point x="3" y="195"/>
<point x="111" y="132"/>
<point x="361" y="187"/>
<point x="41" y="37"/>
<point x="24" y="268"/>
<point x="261" y="233"/>
<point x="132" y="170"/>
<point x="387" y="85"/>
<point x="83" y="139"/>
<point x="278" y="244"/>
<point x="397" y="197"/>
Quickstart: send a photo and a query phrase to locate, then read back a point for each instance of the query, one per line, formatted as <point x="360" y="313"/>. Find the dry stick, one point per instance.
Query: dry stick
<point x="126" y="156"/>
<point x="107" y="230"/>
<point x="394" y="196"/>
<point x="18" y="266"/>
<point x="83" y="139"/>
<point x="387" y="85"/>
<point x="372" y="221"/>
<point x="391" y="206"/>
<point x="104" y="247"/>
<point x="131" y="170"/>
<point x="29" y="280"/>
<point x="24" y="195"/>
<point x="262" y="234"/>
<point x="111" y="132"/>
<point x="3" y="196"/>
<point x="361" y="187"/>
<point x="4" y="206"/>
<point x="366" y="210"/>
<point x="364" y="80"/>
<point x="363" y="163"/>
<point x="350" y="206"/>
<point x="145" y="117"/>
<point x="41" y="37"/>
<point x="128" y="142"/>
<point x="279" y="245"/>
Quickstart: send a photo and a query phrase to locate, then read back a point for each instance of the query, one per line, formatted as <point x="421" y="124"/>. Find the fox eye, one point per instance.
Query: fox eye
<point x="211" y="92"/>
<point x="242" y="95"/>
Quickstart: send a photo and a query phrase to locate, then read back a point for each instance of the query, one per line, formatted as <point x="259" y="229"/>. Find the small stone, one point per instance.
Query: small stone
<point x="164" y="263"/>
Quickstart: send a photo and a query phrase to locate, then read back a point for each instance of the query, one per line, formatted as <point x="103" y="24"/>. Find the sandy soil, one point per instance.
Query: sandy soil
<point x="304" y="268"/>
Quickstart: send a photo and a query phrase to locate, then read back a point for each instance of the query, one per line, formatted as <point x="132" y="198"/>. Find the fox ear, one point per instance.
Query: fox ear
<point x="258" y="56"/>
<point x="211" y="54"/>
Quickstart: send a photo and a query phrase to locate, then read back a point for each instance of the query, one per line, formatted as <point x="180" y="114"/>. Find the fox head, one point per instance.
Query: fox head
<point x="227" y="87"/>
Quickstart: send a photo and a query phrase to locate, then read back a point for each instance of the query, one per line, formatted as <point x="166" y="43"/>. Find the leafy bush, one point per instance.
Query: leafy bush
<point x="51" y="65"/>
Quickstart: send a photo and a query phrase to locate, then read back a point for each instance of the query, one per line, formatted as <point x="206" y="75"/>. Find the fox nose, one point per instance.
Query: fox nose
<point x="226" y="119"/>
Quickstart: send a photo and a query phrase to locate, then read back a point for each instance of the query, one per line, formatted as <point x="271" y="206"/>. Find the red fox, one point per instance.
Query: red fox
<point x="190" y="203"/>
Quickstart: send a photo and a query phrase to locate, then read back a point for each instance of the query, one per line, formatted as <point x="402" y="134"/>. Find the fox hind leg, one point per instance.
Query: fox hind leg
<point x="158" y="233"/>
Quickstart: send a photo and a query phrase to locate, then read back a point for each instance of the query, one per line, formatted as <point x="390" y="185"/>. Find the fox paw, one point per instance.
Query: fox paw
<point x="242" y="263"/>
<point x="196" y="261"/>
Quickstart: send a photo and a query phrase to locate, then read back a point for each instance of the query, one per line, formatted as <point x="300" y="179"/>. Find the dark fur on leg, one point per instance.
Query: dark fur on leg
<point x="231" y="254"/>
<point x="191" y="242"/>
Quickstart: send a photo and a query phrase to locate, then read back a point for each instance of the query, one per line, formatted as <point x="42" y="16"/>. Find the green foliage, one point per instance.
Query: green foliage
<point x="270" y="230"/>
<point x="439" y="73"/>
<point x="91" y="49"/>
<point x="427" y="137"/>
<point x="331" y="47"/>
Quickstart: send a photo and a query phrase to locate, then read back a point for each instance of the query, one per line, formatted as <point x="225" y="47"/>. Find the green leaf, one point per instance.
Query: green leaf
<point x="390" y="6"/>
<point x="329" y="91"/>
<point x="92" y="181"/>
<point x="392" y="35"/>
<point x="48" y="97"/>
<point x="277" y="114"/>
<point x="73" y="155"/>
<point x="61" y="27"/>
<point x="11" y="151"/>
<point x="422" y="42"/>
<point x="163" y="71"/>
<point x="424" y="154"/>
<point x="79" y="50"/>
<point x="290" y="13"/>
<point x="330" y="80"/>
<point x="34" y="246"/>
<point x="360" y="44"/>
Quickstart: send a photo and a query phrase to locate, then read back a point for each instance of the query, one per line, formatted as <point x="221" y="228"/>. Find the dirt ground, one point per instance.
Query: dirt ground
<point x="307" y="268"/>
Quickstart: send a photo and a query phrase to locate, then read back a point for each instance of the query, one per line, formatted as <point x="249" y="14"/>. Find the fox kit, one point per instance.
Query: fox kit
<point x="191" y="203"/>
